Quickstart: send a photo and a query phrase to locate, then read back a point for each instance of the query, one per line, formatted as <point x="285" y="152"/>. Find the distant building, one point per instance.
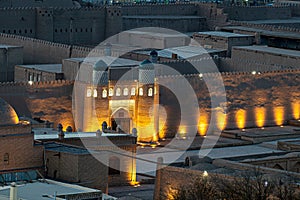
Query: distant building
<point x="37" y="73"/>
<point x="264" y="58"/>
<point x="223" y="40"/>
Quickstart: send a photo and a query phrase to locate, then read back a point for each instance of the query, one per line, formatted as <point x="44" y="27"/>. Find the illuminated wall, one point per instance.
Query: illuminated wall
<point x="203" y="122"/>
<point x="266" y="99"/>
<point x="253" y="100"/>
<point x="240" y="117"/>
<point x="260" y="116"/>
<point x="296" y="110"/>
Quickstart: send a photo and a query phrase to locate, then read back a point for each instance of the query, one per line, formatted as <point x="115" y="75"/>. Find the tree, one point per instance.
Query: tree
<point x="247" y="185"/>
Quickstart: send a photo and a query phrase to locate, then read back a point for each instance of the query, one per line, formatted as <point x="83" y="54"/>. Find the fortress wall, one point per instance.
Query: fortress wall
<point x="262" y="61"/>
<point x="295" y="10"/>
<point x="245" y="13"/>
<point x="18" y="21"/>
<point x="248" y="65"/>
<point x="79" y="26"/>
<point x="160" y="9"/>
<point x="80" y="52"/>
<point x="35" y="3"/>
<point x="48" y="100"/>
<point x="113" y="20"/>
<point x="37" y="51"/>
<point x="182" y="25"/>
<point x="214" y="16"/>
<point x="84" y="26"/>
<point x="265" y="99"/>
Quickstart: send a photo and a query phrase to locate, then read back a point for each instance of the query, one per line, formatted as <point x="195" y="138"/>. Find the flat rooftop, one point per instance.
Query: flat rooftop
<point x="174" y="17"/>
<point x="222" y="34"/>
<point x="49" y="133"/>
<point x="293" y="20"/>
<point x="264" y="134"/>
<point x="58" y="147"/>
<point x="270" y="50"/>
<point x="280" y="34"/>
<point x="44" y="190"/>
<point x="52" y="68"/>
<point x="173" y="34"/>
<point x="183" y="52"/>
<point x="108" y="60"/>
<point x="3" y="46"/>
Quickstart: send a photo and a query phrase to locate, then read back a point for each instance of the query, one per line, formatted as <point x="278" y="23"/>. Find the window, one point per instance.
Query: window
<point x="141" y="92"/>
<point x="125" y="91"/>
<point x="150" y="92"/>
<point x="34" y="77"/>
<point x="88" y="93"/>
<point x="118" y="92"/>
<point x="6" y="158"/>
<point x="114" y="166"/>
<point x="110" y="92"/>
<point x="95" y="94"/>
<point x="132" y="91"/>
<point x="104" y="93"/>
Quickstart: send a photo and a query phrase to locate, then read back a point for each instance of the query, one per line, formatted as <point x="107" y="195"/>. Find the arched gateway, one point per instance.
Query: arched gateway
<point x="120" y="119"/>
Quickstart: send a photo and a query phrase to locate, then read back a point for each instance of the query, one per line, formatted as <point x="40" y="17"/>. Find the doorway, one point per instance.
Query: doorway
<point x="122" y="119"/>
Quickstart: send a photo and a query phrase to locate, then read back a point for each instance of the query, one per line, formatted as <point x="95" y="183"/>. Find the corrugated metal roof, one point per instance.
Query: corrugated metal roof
<point x="223" y="34"/>
<point x="36" y="190"/>
<point x="183" y="52"/>
<point x="280" y="34"/>
<point x="66" y="148"/>
<point x="53" y="68"/>
<point x="109" y="60"/>
<point x="271" y="50"/>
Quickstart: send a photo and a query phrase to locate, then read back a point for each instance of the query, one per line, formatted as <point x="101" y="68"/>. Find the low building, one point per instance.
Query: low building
<point x="18" y="151"/>
<point x="42" y="72"/>
<point x="90" y="159"/>
<point x="45" y="189"/>
<point x="280" y="38"/>
<point x="143" y="39"/>
<point x="223" y="40"/>
<point x="74" y="164"/>
<point x="178" y="53"/>
<point x="264" y="58"/>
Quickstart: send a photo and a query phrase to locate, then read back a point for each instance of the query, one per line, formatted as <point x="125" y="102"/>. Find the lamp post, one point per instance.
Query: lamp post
<point x="265" y="190"/>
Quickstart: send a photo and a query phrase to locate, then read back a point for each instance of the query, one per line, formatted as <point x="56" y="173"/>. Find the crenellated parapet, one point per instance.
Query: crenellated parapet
<point x="232" y="75"/>
<point x="40" y="84"/>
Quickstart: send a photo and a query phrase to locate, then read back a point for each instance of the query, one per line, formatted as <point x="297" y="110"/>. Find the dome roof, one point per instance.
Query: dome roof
<point x="153" y="53"/>
<point x="146" y="64"/>
<point x="8" y="115"/>
<point x="100" y="66"/>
